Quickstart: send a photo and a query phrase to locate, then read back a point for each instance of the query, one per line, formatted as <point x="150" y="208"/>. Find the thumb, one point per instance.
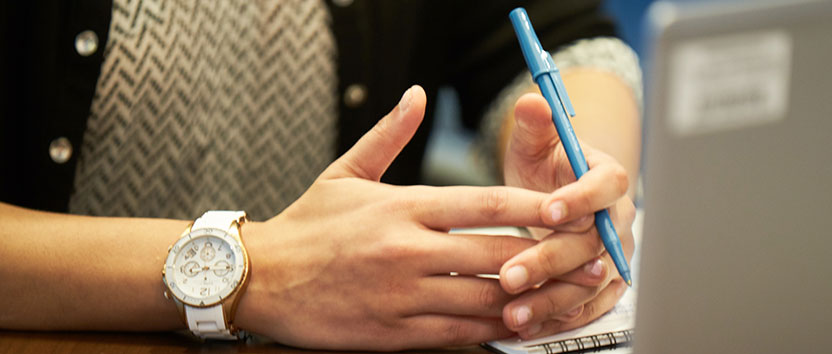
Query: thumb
<point x="533" y="134"/>
<point x="376" y="150"/>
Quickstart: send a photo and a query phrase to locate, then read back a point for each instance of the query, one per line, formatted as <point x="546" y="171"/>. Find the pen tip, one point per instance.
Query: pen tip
<point x="629" y="283"/>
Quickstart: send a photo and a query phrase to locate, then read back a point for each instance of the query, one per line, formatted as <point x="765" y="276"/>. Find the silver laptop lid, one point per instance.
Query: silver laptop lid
<point x="737" y="250"/>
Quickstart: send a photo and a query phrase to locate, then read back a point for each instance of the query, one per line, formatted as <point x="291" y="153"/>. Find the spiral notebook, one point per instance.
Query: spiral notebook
<point x="614" y="329"/>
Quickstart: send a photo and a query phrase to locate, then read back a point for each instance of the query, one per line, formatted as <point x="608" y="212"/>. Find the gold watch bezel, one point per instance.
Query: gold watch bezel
<point x="232" y="236"/>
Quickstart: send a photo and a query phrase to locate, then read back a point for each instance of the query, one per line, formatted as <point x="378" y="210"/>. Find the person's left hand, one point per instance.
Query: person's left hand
<point x="568" y="278"/>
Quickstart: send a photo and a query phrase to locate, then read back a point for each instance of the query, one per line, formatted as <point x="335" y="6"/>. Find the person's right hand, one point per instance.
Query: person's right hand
<point x="358" y="264"/>
<point x="568" y="279"/>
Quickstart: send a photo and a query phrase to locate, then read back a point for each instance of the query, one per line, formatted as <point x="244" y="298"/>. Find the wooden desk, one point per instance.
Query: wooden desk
<point x="14" y="342"/>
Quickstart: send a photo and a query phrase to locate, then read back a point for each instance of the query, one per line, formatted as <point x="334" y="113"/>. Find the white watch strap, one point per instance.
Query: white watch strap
<point x="219" y="219"/>
<point x="208" y="322"/>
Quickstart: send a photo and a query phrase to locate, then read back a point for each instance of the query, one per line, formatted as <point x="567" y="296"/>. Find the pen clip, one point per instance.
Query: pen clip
<point x="553" y="70"/>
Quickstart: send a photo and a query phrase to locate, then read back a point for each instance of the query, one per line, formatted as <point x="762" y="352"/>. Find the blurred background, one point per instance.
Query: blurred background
<point x="450" y="159"/>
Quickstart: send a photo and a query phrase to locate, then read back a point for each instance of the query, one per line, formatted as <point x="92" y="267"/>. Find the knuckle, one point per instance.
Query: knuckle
<point x="594" y="291"/>
<point x="395" y="251"/>
<point x="494" y="202"/>
<point x="548" y="261"/>
<point x="580" y="225"/>
<point x="396" y="204"/>
<point x="424" y="202"/>
<point x="500" y="250"/>
<point x="488" y="297"/>
<point x="590" y="310"/>
<point x="628" y="210"/>
<point x="584" y="201"/>
<point x="354" y="168"/>
<point x="395" y="289"/>
<point x="553" y="307"/>
<point x="404" y="203"/>
<point x="584" y="224"/>
<point x="592" y="242"/>
<point x="457" y="334"/>
<point x="622" y="180"/>
<point x="380" y="130"/>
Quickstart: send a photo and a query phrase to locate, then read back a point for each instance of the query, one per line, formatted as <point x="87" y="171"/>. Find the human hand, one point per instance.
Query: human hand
<point x="358" y="264"/>
<point x="579" y="280"/>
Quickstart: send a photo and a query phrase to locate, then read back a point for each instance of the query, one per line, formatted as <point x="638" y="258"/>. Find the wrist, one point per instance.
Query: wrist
<point x="247" y="314"/>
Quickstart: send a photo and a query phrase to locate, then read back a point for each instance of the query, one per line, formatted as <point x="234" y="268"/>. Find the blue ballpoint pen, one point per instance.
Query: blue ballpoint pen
<point x="546" y="75"/>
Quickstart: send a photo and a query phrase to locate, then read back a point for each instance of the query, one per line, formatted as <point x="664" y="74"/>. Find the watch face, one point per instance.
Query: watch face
<point x="204" y="267"/>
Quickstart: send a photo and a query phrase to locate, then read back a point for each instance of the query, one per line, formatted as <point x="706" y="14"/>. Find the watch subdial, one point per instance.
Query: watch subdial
<point x="207" y="252"/>
<point x="222" y="268"/>
<point x="190" y="253"/>
<point x="191" y="269"/>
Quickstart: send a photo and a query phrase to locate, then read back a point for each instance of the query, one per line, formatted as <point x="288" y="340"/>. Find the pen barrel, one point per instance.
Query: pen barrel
<point x="612" y="243"/>
<point x="529" y="44"/>
<point x="563" y="127"/>
<point x="545" y="74"/>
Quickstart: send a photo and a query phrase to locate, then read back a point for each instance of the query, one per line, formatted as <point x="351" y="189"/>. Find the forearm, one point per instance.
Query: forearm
<point x="78" y="272"/>
<point x="607" y="117"/>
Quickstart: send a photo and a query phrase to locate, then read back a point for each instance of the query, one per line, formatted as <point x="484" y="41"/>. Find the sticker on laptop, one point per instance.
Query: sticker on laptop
<point x="729" y="81"/>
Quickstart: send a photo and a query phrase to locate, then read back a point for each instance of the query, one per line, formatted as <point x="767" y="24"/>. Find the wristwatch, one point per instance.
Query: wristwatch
<point x="206" y="271"/>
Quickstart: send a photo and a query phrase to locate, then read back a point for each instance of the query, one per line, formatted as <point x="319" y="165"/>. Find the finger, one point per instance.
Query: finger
<point x="561" y="253"/>
<point x="462" y="295"/>
<point x="579" y="225"/>
<point x="582" y="224"/>
<point x="571" y="315"/>
<point x="469" y="254"/>
<point x="592" y="273"/>
<point x="597" y="270"/>
<point x="442" y="208"/>
<point x="554" y="256"/>
<point x="589" y="312"/>
<point x="534" y="134"/>
<point x="551" y="300"/>
<point x="376" y="150"/>
<point x="432" y="330"/>
<point x="597" y="189"/>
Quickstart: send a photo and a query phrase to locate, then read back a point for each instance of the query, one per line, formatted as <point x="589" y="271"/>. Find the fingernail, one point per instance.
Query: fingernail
<point x="516" y="277"/>
<point x="558" y="211"/>
<point x="522" y="315"/>
<point x="594" y="268"/>
<point x="404" y="103"/>
<point x="534" y="330"/>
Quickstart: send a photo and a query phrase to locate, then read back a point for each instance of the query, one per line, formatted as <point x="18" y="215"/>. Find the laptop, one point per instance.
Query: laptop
<point x="737" y="238"/>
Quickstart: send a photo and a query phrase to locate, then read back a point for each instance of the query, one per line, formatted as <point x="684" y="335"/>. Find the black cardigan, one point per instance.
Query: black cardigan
<point x="47" y="87"/>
